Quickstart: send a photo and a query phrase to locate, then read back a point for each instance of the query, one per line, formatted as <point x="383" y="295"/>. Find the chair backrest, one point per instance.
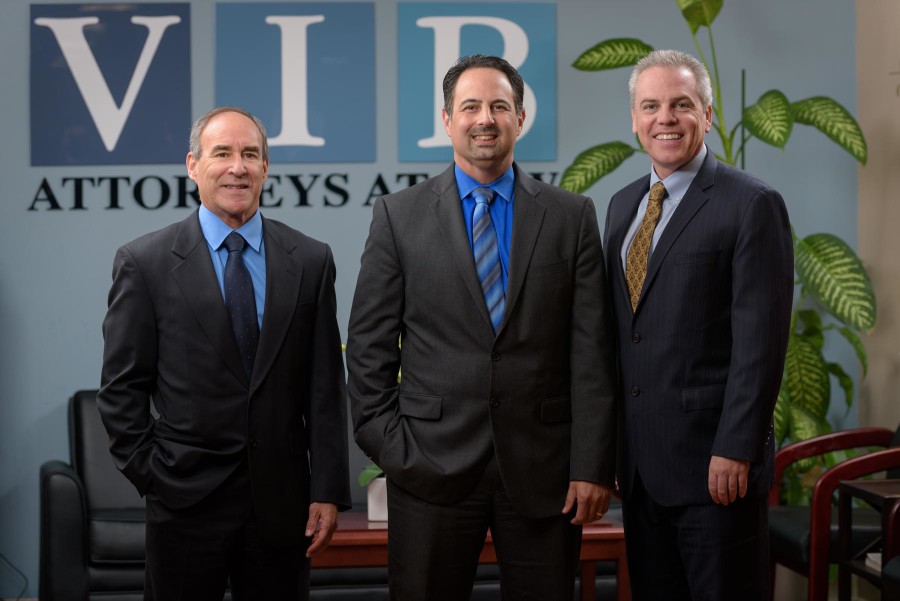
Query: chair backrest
<point x="105" y="487"/>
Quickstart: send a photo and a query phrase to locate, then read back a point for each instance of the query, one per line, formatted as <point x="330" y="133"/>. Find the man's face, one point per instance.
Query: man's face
<point x="668" y="118"/>
<point x="484" y="125"/>
<point x="230" y="170"/>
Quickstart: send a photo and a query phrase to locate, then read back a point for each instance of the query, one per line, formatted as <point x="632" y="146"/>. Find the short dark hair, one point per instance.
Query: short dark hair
<point x="201" y="123"/>
<point x="483" y="61"/>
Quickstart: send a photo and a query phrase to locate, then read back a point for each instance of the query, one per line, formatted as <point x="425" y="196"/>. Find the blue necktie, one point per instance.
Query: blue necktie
<point x="240" y="300"/>
<point x="487" y="256"/>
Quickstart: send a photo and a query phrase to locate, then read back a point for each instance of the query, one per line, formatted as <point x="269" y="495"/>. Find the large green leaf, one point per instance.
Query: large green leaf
<point x="594" y="163"/>
<point x="612" y="54"/>
<point x="699" y="12"/>
<point x="846" y="382"/>
<point x="834" y="121"/>
<point x="857" y="345"/>
<point x="812" y="327"/>
<point x="830" y="271"/>
<point x="806" y="379"/>
<point x="770" y="119"/>
<point x="369" y="473"/>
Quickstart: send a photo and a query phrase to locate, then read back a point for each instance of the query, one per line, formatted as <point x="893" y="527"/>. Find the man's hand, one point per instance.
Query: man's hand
<point x="323" y="521"/>
<point x="727" y="479"/>
<point x="591" y="498"/>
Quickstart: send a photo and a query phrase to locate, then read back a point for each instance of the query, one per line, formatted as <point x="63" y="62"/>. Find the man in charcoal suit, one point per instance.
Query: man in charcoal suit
<point x="494" y="285"/>
<point x="226" y="323"/>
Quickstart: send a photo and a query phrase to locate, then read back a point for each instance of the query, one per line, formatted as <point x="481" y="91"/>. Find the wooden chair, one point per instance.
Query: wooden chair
<point x="805" y="539"/>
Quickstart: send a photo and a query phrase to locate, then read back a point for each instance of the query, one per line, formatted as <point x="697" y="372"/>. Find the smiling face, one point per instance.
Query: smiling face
<point x="230" y="169"/>
<point x="669" y="118"/>
<point x="484" y="124"/>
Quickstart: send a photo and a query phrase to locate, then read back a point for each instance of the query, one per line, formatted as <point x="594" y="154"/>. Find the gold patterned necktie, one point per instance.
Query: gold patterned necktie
<point x="636" y="260"/>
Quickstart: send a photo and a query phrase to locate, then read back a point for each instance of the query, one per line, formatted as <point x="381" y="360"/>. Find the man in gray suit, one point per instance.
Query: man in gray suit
<point x="493" y="285"/>
<point x="245" y="467"/>
<point x="699" y="257"/>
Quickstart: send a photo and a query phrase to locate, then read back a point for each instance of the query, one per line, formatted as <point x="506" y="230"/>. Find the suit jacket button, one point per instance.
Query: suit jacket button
<point x="495" y="355"/>
<point x="635" y="338"/>
<point x="252" y="443"/>
<point x="494" y="402"/>
<point x="635" y="391"/>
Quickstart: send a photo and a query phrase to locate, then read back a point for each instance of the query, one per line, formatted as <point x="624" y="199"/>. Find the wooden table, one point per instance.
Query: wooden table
<point x="359" y="543"/>
<point x="881" y="494"/>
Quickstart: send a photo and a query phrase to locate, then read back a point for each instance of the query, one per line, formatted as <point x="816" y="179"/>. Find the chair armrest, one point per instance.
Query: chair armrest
<point x="820" y="507"/>
<point x="819" y="445"/>
<point x="63" y="569"/>
<point x="892" y="536"/>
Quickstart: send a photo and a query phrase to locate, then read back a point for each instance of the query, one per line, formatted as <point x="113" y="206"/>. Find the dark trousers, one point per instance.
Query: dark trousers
<point x="433" y="550"/>
<point x="193" y="552"/>
<point x="696" y="553"/>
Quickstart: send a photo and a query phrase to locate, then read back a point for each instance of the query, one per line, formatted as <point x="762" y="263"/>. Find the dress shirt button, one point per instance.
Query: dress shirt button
<point x="253" y="443"/>
<point x="494" y="402"/>
<point x="495" y="355"/>
<point x="635" y="391"/>
<point x="635" y="338"/>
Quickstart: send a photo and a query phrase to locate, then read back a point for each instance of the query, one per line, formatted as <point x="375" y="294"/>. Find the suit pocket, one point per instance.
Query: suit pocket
<point x="421" y="406"/>
<point x="548" y="268"/>
<point x="703" y="397"/>
<point x="556" y="410"/>
<point x="696" y="257"/>
<point x="162" y="430"/>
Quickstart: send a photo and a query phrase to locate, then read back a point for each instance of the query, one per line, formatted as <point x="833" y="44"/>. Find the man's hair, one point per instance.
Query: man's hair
<point x="201" y="123"/>
<point x="674" y="59"/>
<point x="482" y="61"/>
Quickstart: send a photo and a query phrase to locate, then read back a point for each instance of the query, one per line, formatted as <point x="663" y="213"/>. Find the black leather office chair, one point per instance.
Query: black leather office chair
<point x="92" y="519"/>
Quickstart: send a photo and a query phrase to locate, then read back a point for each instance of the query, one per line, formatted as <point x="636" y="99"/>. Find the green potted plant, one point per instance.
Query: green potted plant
<point x="834" y="293"/>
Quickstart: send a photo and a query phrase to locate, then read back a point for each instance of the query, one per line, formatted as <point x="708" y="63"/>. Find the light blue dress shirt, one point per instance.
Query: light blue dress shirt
<point x="677" y="185"/>
<point x="501" y="211"/>
<point x="215" y="231"/>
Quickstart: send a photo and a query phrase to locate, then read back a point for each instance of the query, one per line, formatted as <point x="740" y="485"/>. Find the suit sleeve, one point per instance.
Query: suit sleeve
<point x="762" y="292"/>
<point x="329" y="463"/>
<point x="592" y="361"/>
<point x="373" y="355"/>
<point x="128" y="376"/>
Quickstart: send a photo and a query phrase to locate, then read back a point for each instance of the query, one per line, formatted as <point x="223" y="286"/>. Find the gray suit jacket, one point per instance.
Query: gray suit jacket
<point x="168" y="338"/>
<point x="702" y="357"/>
<point x="539" y="394"/>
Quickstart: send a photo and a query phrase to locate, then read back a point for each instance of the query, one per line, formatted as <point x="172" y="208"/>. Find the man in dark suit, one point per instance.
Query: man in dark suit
<point x="226" y="322"/>
<point x="702" y="332"/>
<point x="505" y="415"/>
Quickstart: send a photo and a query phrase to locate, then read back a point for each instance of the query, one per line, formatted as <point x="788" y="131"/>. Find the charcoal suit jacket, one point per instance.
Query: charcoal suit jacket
<point x="168" y="340"/>
<point x="539" y="393"/>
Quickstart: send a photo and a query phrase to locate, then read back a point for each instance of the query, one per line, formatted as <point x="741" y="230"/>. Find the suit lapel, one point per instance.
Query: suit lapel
<point x="528" y="216"/>
<point x="449" y="217"/>
<point x="197" y="281"/>
<point x="284" y="272"/>
<point x="693" y="201"/>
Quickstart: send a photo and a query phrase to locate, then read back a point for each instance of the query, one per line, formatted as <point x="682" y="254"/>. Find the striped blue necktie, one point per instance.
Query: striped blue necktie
<point x="487" y="256"/>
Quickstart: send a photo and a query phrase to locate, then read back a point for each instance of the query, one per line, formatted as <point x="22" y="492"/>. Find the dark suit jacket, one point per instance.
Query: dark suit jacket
<point x="701" y="359"/>
<point x="168" y="338"/>
<point x="539" y="394"/>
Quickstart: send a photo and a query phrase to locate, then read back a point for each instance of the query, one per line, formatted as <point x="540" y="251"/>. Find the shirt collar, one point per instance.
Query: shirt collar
<point x="677" y="183"/>
<point x="215" y="230"/>
<point x="503" y="185"/>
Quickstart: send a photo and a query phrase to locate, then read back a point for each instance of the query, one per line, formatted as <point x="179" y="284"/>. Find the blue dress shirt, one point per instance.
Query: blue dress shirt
<point x="501" y="211"/>
<point x="677" y="185"/>
<point x="215" y="230"/>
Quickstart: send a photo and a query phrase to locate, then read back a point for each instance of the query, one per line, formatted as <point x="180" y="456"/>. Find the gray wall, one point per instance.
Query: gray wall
<point x="55" y="265"/>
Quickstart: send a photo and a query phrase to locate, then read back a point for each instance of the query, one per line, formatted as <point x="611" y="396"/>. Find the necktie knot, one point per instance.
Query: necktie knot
<point x="483" y="196"/>
<point x="657" y="192"/>
<point x="234" y="242"/>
